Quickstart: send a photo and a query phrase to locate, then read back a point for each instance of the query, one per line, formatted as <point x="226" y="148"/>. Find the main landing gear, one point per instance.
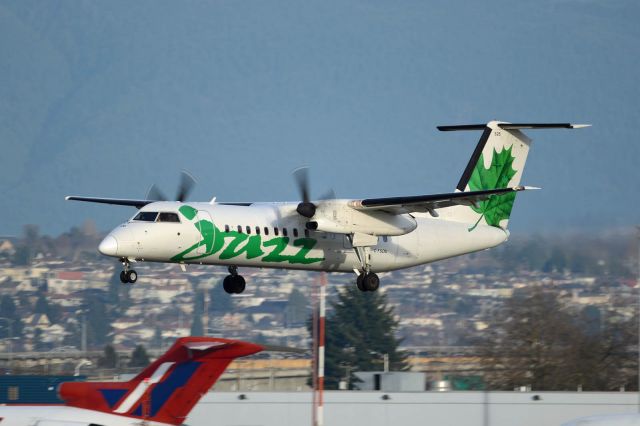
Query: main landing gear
<point x="234" y="283"/>
<point x="368" y="281"/>
<point x="128" y="276"/>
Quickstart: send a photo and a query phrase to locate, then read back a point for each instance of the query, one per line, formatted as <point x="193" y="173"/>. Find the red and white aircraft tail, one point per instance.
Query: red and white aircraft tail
<point x="164" y="392"/>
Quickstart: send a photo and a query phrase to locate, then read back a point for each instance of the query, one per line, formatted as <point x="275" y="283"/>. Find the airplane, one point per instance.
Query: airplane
<point x="366" y="236"/>
<point x="162" y="394"/>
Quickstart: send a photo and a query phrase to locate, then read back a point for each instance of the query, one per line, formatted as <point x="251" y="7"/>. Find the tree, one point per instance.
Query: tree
<point x="537" y="341"/>
<point x="98" y="322"/>
<point x="157" y="338"/>
<point x="359" y="332"/>
<point x="297" y="308"/>
<point x="109" y="359"/>
<point x="220" y="303"/>
<point x="197" y="328"/>
<point x="9" y="311"/>
<point x="139" y="357"/>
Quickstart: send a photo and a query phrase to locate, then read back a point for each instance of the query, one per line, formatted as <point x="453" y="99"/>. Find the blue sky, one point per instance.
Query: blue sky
<point x="106" y="98"/>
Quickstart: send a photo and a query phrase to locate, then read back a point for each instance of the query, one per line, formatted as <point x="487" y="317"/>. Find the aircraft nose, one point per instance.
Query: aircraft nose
<point x="109" y="246"/>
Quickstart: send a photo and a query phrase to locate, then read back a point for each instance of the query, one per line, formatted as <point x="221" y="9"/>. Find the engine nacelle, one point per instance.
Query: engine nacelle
<point x="372" y="223"/>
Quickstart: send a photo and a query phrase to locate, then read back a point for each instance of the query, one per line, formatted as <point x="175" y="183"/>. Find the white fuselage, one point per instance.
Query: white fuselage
<point x="273" y="235"/>
<point x="60" y="415"/>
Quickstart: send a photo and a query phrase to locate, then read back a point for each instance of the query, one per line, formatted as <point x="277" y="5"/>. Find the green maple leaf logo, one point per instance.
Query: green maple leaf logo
<point x="498" y="175"/>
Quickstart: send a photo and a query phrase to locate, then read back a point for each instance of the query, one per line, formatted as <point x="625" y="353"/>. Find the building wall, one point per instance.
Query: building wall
<point x="408" y="409"/>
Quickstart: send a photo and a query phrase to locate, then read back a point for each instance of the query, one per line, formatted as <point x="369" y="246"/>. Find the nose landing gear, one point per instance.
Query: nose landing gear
<point x="128" y="276"/>
<point x="234" y="283"/>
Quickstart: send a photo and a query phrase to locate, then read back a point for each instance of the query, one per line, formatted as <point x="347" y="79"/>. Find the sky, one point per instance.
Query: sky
<point x="107" y="98"/>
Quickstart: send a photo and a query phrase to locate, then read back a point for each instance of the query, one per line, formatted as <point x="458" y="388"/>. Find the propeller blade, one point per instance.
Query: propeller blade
<point x="187" y="182"/>
<point x="301" y="175"/>
<point x="329" y="195"/>
<point x="153" y="193"/>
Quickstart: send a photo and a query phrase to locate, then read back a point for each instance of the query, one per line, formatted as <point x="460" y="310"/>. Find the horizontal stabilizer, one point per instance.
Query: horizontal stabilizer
<point x="429" y="203"/>
<point x="513" y="126"/>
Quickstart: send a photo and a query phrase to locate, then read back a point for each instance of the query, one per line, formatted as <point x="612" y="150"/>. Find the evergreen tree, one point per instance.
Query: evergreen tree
<point x="109" y="359"/>
<point x="98" y="322"/>
<point x="9" y="311"/>
<point x="197" y="329"/>
<point x="360" y="330"/>
<point x="220" y="303"/>
<point x="157" y="338"/>
<point x="297" y="308"/>
<point x="139" y="357"/>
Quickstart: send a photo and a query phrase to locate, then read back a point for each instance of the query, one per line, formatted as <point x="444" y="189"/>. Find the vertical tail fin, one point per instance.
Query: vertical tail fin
<point x="497" y="162"/>
<point x="166" y="390"/>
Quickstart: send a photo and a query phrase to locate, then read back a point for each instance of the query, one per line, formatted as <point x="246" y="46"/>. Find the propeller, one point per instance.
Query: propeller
<point x="306" y="208"/>
<point x="187" y="182"/>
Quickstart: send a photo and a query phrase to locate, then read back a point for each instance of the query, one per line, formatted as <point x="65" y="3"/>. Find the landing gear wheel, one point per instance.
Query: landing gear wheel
<point x="132" y="276"/>
<point x="240" y="284"/>
<point x="359" y="282"/>
<point x="370" y="282"/>
<point x="234" y="284"/>
<point x="123" y="277"/>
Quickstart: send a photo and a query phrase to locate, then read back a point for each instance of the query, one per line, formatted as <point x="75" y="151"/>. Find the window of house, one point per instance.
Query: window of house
<point x="385" y="238"/>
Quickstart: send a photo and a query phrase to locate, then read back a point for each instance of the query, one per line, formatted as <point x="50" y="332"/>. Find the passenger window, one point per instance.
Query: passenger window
<point x="248" y="229"/>
<point x="146" y="216"/>
<point x="239" y="229"/>
<point x="257" y="230"/>
<point x="266" y="231"/>
<point x="295" y="232"/>
<point x="284" y="232"/>
<point x="306" y="233"/>
<point x="226" y="228"/>
<point x="275" y="231"/>
<point x="168" y="217"/>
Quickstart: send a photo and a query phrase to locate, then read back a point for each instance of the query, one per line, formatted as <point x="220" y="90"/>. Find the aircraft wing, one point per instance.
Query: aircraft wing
<point x="116" y="201"/>
<point x="131" y="202"/>
<point x="429" y="203"/>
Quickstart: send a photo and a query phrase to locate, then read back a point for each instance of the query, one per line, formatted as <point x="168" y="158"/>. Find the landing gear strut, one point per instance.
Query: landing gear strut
<point x="234" y="283"/>
<point x="128" y="276"/>
<point x="367" y="280"/>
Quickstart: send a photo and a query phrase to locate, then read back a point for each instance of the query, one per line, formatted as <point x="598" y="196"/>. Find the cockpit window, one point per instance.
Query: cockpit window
<point x="168" y="217"/>
<point x="146" y="216"/>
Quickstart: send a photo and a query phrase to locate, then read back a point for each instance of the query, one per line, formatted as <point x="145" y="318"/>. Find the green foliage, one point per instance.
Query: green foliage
<point x="297" y="310"/>
<point x="13" y="321"/>
<point x="359" y="331"/>
<point x="139" y="357"/>
<point x="98" y="323"/>
<point x="498" y="175"/>
<point x="52" y="311"/>
<point x="537" y="341"/>
<point x="197" y="328"/>
<point x="220" y="303"/>
<point x="109" y="359"/>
